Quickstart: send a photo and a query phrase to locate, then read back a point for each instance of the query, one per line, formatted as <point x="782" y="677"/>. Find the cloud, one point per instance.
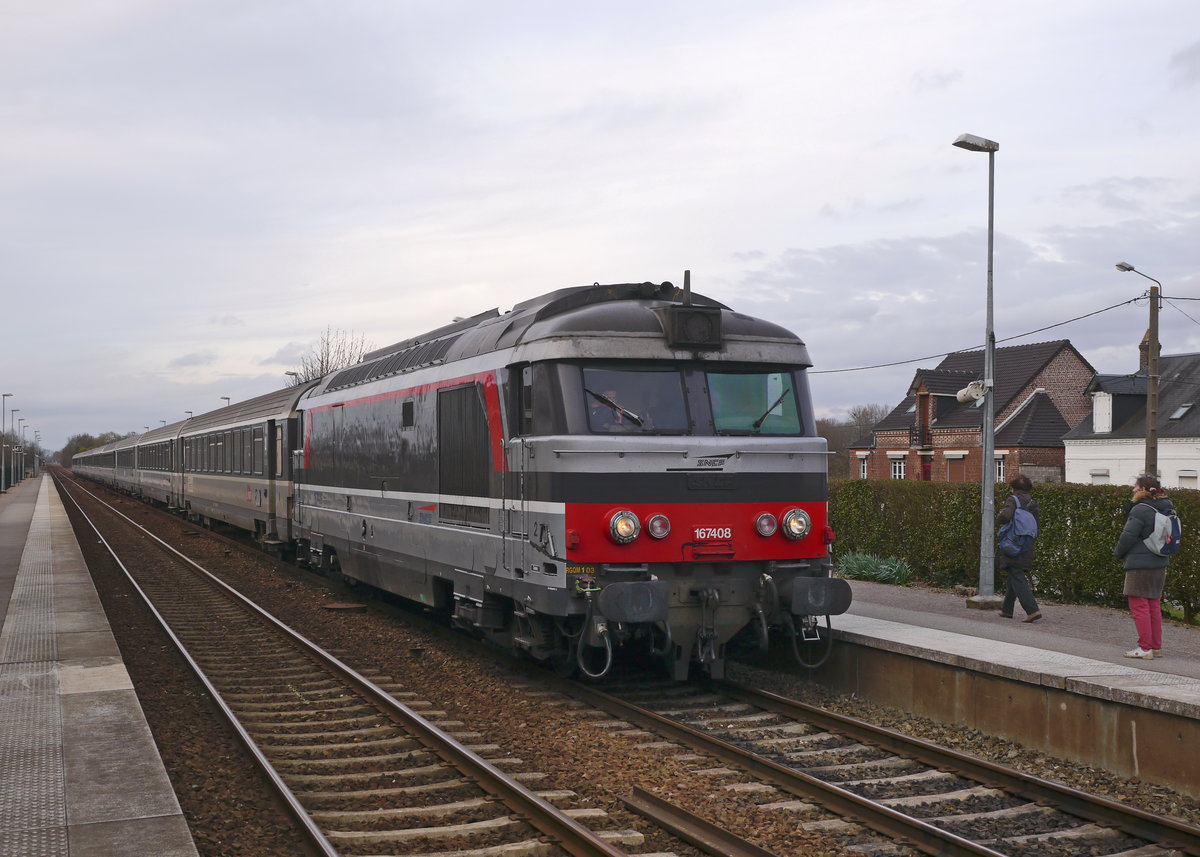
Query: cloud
<point x="926" y="81"/>
<point x="196" y="358"/>
<point x="1185" y="66"/>
<point x="289" y="355"/>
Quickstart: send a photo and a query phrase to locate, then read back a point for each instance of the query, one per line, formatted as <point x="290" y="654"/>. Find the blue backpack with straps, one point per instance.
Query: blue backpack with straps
<point x="1018" y="534"/>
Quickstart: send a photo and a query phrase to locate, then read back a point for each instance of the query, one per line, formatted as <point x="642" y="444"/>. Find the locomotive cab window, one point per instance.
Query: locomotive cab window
<point x="647" y="401"/>
<point x="754" y="403"/>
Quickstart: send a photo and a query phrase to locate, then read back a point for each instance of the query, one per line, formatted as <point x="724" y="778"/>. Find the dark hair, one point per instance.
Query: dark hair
<point x="1020" y="482"/>
<point x="1148" y="483"/>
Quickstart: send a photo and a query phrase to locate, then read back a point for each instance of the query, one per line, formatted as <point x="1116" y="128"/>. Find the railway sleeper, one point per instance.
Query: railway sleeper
<point x="350" y="750"/>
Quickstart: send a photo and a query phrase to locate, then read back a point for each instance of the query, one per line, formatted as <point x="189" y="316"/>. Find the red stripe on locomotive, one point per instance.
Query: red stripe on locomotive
<point x="700" y="532"/>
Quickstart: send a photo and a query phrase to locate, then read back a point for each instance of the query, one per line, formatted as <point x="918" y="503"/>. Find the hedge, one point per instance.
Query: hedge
<point x="934" y="527"/>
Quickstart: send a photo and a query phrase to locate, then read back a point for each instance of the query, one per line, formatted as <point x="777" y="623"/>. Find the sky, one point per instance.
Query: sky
<point x="192" y="192"/>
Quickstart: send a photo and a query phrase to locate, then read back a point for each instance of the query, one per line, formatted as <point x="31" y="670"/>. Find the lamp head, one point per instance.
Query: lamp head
<point x="1125" y="266"/>
<point x="976" y="144"/>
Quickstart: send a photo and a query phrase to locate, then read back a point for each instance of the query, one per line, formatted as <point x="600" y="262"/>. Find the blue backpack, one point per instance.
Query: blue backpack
<point x="1018" y="534"/>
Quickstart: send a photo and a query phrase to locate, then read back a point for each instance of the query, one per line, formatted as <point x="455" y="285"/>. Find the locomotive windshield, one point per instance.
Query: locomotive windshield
<point x="753" y="403"/>
<point x="692" y="399"/>
<point x="624" y="400"/>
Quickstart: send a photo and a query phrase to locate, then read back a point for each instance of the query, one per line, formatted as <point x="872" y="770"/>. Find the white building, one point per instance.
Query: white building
<point x="1109" y="446"/>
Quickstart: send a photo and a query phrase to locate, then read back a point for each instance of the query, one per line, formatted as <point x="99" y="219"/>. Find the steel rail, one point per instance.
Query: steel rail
<point x="1165" y="832"/>
<point x="691" y="828"/>
<point x="567" y="833"/>
<point x="883" y="819"/>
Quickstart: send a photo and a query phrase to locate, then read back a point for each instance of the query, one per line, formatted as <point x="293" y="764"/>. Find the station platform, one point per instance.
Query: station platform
<point x="1071" y="645"/>
<point x="80" y="774"/>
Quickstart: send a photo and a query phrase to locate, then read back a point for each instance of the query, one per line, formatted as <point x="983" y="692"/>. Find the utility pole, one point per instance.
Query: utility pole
<point x="1151" y="372"/>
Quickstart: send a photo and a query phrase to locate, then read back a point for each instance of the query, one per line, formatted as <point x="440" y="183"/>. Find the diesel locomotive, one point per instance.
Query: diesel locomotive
<point x="602" y="469"/>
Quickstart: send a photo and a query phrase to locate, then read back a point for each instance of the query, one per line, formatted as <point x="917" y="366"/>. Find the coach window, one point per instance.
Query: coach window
<point x="408" y="418"/>
<point x="257" y="452"/>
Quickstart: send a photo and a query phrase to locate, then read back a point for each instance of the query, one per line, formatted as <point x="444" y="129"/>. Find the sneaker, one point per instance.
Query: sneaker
<point x="1157" y="652"/>
<point x="1139" y="652"/>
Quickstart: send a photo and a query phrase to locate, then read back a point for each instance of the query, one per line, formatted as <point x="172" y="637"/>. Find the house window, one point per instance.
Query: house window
<point x="862" y="468"/>
<point x="999" y="468"/>
<point x="1099" y="477"/>
<point x="897" y="468"/>
<point x="1187" y="479"/>
<point x="1182" y="410"/>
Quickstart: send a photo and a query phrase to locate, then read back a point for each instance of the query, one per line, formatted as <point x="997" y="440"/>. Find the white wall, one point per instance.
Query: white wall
<point x="1125" y="461"/>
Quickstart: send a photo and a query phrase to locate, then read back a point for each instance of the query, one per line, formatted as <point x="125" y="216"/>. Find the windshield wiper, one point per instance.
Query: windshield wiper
<point x="757" y="424"/>
<point x="600" y="397"/>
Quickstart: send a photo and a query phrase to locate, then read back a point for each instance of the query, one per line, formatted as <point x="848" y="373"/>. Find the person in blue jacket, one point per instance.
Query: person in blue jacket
<point x="1017" y="587"/>
<point x="1145" y="571"/>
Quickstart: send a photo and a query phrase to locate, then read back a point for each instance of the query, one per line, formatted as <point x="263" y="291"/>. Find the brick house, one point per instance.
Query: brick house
<point x="1039" y="396"/>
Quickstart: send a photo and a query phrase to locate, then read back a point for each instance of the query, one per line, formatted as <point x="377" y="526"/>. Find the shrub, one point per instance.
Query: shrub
<point x="935" y="527"/>
<point x="867" y="566"/>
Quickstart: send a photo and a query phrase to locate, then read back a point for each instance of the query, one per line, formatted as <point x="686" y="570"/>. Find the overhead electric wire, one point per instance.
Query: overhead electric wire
<point x="977" y="347"/>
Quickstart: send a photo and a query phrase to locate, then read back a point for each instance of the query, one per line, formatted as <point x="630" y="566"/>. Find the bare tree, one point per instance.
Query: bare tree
<point x="864" y="417"/>
<point x="335" y="349"/>
<point x="857" y="425"/>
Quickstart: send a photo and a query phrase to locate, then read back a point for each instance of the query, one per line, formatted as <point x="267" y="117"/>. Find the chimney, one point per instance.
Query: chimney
<point x="1144" y="354"/>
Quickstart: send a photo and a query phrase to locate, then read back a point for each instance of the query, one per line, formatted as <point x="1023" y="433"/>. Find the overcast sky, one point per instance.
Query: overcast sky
<point x="191" y="192"/>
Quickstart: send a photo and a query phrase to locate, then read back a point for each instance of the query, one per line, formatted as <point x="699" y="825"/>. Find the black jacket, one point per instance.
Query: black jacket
<point x="1138" y="526"/>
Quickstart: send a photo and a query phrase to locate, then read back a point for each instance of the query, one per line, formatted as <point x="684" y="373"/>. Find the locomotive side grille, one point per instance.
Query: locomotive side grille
<point x="414" y="357"/>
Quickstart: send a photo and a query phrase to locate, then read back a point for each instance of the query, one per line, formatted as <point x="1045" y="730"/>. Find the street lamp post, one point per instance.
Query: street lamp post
<point x="986" y="597"/>
<point x="12" y="448"/>
<point x="1151" y="372"/>
<point x="3" y="465"/>
<point x="19" y="446"/>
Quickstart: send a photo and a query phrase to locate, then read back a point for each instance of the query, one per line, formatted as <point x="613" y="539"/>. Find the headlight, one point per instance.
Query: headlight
<point x="796" y="523"/>
<point x="658" y="526"/>
<point x="766" y="524"/>
<point x="624" y="527"/>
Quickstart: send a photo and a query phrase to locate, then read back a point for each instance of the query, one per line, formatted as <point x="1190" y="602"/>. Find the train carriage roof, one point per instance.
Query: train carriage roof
<point x="278" y="404"/>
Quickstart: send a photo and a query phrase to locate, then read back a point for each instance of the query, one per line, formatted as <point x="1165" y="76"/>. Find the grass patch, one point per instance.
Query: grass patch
<point x="867" y="566"/>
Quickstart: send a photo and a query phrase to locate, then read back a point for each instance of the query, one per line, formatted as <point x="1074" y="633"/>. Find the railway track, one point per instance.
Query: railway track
<point x="361" y="772"/>
<point x="903" y="789"/>
<point x="892" y="794"/>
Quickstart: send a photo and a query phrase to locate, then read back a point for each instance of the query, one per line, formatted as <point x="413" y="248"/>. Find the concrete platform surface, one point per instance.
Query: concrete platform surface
<point x="80" y="774"/>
